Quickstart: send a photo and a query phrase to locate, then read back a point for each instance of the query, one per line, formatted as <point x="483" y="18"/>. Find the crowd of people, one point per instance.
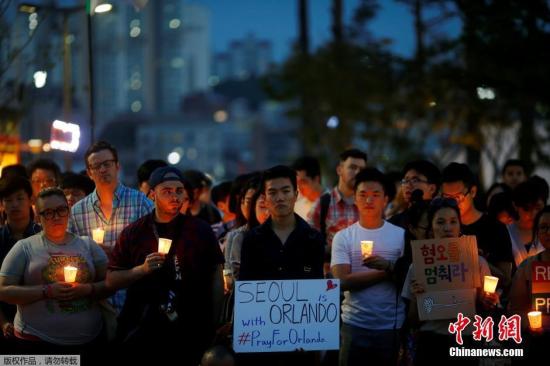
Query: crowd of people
<point x="130" y="301"/>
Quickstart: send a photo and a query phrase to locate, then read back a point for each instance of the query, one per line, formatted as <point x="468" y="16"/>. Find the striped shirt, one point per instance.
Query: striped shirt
<point x="128" y="206"/>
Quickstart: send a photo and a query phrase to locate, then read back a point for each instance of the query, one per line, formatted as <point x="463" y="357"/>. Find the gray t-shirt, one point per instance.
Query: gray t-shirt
<point x="37" y="261"/>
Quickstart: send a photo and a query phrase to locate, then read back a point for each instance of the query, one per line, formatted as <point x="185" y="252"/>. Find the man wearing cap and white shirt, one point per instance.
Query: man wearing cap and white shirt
<point x="174" y="298"/>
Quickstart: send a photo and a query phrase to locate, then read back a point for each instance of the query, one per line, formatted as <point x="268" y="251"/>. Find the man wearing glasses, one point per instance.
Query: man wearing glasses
<point x="111" y="206"/>
<point x="493" y="240"/>
<point x="419" y="175"/>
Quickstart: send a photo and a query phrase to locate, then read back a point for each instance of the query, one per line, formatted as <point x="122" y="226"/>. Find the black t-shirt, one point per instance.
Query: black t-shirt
<point x="493" y="240"/>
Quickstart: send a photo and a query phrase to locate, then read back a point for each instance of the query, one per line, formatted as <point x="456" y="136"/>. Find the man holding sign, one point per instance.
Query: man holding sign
<point x="372" y="311"/>
<point x="173" y="297"/>
<point x="284" y="247"/>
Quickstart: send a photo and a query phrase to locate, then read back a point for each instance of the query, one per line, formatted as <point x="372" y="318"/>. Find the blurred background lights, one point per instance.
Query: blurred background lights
<point x="220" y="116"/>
<point x="40" y="79"/>
<point x="174" y="157"/>
<point x="485" y="93"/>
<point x="333" y="122"/>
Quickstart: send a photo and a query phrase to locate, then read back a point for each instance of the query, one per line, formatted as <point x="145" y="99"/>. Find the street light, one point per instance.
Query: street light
<point x="91" y="7"/>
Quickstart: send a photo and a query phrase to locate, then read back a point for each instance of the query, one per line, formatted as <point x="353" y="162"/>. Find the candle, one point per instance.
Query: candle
<point x="70" y="273"/>
<point x="98" y="234"/>
<point x="490" y="284"/>
<point x="164" y="245"/>
<point x="535" y="319"/>
<point x="367" y="246"/>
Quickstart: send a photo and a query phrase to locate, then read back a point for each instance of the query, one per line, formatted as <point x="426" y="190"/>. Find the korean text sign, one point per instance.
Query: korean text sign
<point x="278" y="316"/>
<point x="449" y="271"/>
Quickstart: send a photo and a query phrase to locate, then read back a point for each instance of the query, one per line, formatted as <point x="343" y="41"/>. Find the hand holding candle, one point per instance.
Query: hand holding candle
<point x="70" y="273"/>
<point x="164" y="245"/>
<point x="98" y="234"/>
<point x="367" y="247"/>
<point x="490" y="284"/>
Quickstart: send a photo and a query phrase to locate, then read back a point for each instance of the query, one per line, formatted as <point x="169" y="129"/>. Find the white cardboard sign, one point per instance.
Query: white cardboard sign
<point x="279" y="316"/>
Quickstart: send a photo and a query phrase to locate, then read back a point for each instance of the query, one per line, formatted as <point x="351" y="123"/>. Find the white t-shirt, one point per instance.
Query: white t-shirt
<point x="376" y="307"/>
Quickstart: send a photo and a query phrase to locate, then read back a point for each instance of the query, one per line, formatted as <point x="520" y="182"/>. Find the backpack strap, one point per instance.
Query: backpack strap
<point x="325" y="202"/>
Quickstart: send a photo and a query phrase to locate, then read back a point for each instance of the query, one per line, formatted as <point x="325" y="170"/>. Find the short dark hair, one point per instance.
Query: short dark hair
<point x="427" y="169"/>
<point x="373" y="175"/>
<point x="70" y="180"/>
<point x="13" y="183"/>
<point x="309" y="164"/>
<point x="99" y="146"/>
<point x="196" y="178"/>
<point x="458" y="172"/>
<point x="45" y="164"/>
<point x="221" y="191"/>
<point x="528" y="193"/>
<point x="353" y="153"/>
<point x="15" y="169"/>
<point x="144" y="171"/>
<point x="50" y="192"/>
<point x="502" y="202"/>
<point x="515" y="162"/>
<point x="279" y="171"/>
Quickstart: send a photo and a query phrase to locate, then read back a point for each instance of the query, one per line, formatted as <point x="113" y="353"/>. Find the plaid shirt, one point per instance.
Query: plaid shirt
<point x="128" y="206"/>
<point x="340" y="215"/>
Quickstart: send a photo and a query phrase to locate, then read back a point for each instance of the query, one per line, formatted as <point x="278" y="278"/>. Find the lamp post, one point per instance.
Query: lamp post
<point x="91" y="7"/>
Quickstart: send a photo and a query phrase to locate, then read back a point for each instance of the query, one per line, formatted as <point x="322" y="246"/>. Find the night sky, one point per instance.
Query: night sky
<point x="276" y="20"/>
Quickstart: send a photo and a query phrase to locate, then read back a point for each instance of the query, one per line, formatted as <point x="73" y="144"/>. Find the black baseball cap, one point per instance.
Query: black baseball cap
<point x="165" y="174"/>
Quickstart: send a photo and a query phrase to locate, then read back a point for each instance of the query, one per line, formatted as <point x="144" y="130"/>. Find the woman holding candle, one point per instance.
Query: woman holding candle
<point x="520" y="298"/>
<point x="53" y="315"/>
<point x="434" y="340"/>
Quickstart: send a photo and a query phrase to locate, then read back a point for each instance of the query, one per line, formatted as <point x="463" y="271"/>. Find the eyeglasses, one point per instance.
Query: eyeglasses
<point x="443" y="202"/>
<point x="457" y="197"/>
<point x="104" y="164"/>
<point x="543" y="229"/>
<point x="413" y="181"/>
<point x="61" y="211"/>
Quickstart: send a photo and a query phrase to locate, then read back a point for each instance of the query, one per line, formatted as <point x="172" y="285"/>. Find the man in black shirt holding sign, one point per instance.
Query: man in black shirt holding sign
<point x="284" y="247"/>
